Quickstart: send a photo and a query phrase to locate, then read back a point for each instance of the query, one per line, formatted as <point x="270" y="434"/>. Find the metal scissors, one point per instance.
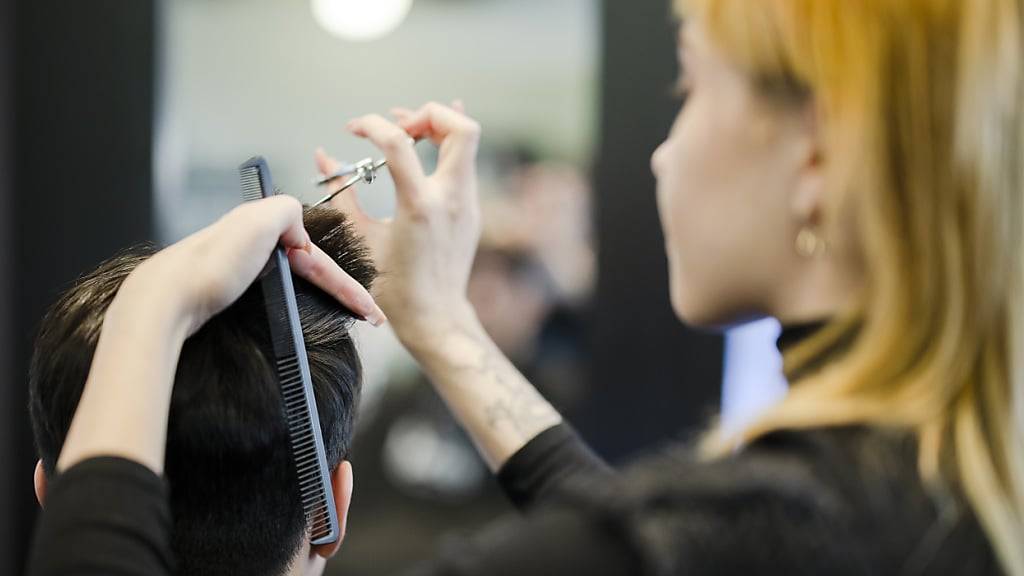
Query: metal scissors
<point x="363" y="171"/>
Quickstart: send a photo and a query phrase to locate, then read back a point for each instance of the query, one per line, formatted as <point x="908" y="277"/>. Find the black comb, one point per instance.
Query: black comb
<point x="300" y="412"/>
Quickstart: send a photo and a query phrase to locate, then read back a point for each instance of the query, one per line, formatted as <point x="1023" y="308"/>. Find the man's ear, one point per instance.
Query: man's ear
<point x="39" y="479"/>
<point x="341" y="478"/>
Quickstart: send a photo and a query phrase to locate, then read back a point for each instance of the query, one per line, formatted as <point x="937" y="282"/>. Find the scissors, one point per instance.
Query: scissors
<point x="363" y="171"/>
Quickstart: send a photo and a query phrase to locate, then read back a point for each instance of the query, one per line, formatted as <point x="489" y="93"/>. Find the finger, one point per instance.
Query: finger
<point x="457" y="134"/>
<point x="266" y="223"/>
<point x="320" y="269"/>
<point x="400" y="112"/>
<point x="325" y="163"/>
<point x="403" y="163"/>
<point x="346" y="201"/>
<point x="410" y="121"/>
<point x="248" y="234"/>
<point x="286" y="214"/>
<point x="459" y="106"/>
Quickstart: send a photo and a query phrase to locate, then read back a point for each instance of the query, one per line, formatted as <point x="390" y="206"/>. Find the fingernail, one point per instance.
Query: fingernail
<point x="377" y="317"/>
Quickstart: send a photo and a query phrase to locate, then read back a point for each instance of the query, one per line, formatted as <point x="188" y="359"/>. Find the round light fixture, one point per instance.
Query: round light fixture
<point x="360" y="20"/>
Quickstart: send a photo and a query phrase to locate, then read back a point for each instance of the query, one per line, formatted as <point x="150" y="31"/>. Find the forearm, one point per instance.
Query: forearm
<point x="497" y="406"/>
<point x="104" y="516"/>
<point x="124" y="406"/>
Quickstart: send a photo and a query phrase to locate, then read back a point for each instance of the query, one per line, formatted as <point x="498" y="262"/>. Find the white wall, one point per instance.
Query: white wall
<point x="261" y="77"/>
<point x="246" y="77"/>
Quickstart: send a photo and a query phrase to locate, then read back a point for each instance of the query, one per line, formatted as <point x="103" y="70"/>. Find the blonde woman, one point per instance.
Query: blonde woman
<point x="853" y="168"/>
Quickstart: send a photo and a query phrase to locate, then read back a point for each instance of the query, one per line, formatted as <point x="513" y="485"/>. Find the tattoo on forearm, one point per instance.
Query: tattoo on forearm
<point x="513" y="405"/>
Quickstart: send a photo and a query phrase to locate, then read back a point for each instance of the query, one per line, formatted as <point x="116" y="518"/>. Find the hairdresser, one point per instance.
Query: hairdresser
<point x="854" y="169"/>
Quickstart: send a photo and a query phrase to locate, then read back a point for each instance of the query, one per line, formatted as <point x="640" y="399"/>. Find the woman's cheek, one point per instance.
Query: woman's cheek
<point x="692" y="235"/>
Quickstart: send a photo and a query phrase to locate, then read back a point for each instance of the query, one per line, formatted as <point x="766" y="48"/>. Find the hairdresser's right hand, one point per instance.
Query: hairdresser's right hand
<point x="426" y="251"/>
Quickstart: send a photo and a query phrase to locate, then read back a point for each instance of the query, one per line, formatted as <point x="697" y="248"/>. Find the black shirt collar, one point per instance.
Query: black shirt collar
<point x="793" y="334"/>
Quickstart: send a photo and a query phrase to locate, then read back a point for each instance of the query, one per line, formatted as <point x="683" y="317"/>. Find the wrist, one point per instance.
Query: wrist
<point x="430" y="337"/>
<point x="132" y="369"/>
<point x="155" y="306"/>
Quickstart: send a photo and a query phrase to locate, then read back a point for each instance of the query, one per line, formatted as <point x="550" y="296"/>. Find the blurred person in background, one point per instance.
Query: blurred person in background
<point x="855" y="170"/>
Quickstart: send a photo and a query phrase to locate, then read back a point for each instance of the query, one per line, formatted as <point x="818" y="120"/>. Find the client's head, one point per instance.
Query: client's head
<point x="234" y="498"/>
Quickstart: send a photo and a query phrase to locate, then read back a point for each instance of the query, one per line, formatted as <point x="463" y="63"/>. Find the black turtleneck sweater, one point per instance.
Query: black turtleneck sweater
<point x="826" y="501"/>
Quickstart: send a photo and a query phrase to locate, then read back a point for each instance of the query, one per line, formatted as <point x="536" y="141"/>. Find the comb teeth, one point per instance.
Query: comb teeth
<point x="298" y="401"/>
<point x="252" y="185"/>
<point x="277" y="313"/>
<point x="306" y="452"/>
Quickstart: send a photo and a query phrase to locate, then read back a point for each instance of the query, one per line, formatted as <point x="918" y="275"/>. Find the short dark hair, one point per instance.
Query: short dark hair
<point x="234" y="497"/>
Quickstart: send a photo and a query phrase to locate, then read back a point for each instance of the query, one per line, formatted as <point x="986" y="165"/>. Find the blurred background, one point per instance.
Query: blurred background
<point x="125" y="120"/>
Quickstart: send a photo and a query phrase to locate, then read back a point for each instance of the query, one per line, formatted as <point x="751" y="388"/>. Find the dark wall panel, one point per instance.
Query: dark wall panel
<point x="82" y="145"/>
<point x="7" y="441"/>
<point x="653" y="378"/>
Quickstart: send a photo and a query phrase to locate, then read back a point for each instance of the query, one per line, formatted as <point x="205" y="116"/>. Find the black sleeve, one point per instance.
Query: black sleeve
<point x="544" y="470"/>
<point x="552" y="542"/>
<point x="105" y="516"/>
<point x="554" y="537"/>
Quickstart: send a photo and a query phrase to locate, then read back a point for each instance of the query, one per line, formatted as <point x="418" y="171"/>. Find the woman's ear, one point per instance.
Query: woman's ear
<point x="39" y="479"/>
<point x="808" y="198"/>
<point x="341" y="479"/>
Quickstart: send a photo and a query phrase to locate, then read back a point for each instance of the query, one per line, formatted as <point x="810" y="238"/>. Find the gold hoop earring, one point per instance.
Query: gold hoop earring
<point x="809" y="244"/>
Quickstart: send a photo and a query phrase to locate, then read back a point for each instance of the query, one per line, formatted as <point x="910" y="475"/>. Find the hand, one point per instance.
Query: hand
<point x="426" y="251"/>
<point x="137" y="352"/>
<point x="213" y="267"/>
<point x="425" y="254"/>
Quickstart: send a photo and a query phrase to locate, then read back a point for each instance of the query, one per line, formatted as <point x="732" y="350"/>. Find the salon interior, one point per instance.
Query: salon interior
<point x="125" y="120"/>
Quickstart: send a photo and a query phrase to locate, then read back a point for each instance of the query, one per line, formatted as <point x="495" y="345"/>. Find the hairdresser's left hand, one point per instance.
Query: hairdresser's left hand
<point x="124" y="406"/>
<point x="211" y="268"/>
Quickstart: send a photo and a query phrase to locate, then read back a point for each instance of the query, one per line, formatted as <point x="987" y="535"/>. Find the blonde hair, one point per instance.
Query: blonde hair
<point x="922" y="109"/>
